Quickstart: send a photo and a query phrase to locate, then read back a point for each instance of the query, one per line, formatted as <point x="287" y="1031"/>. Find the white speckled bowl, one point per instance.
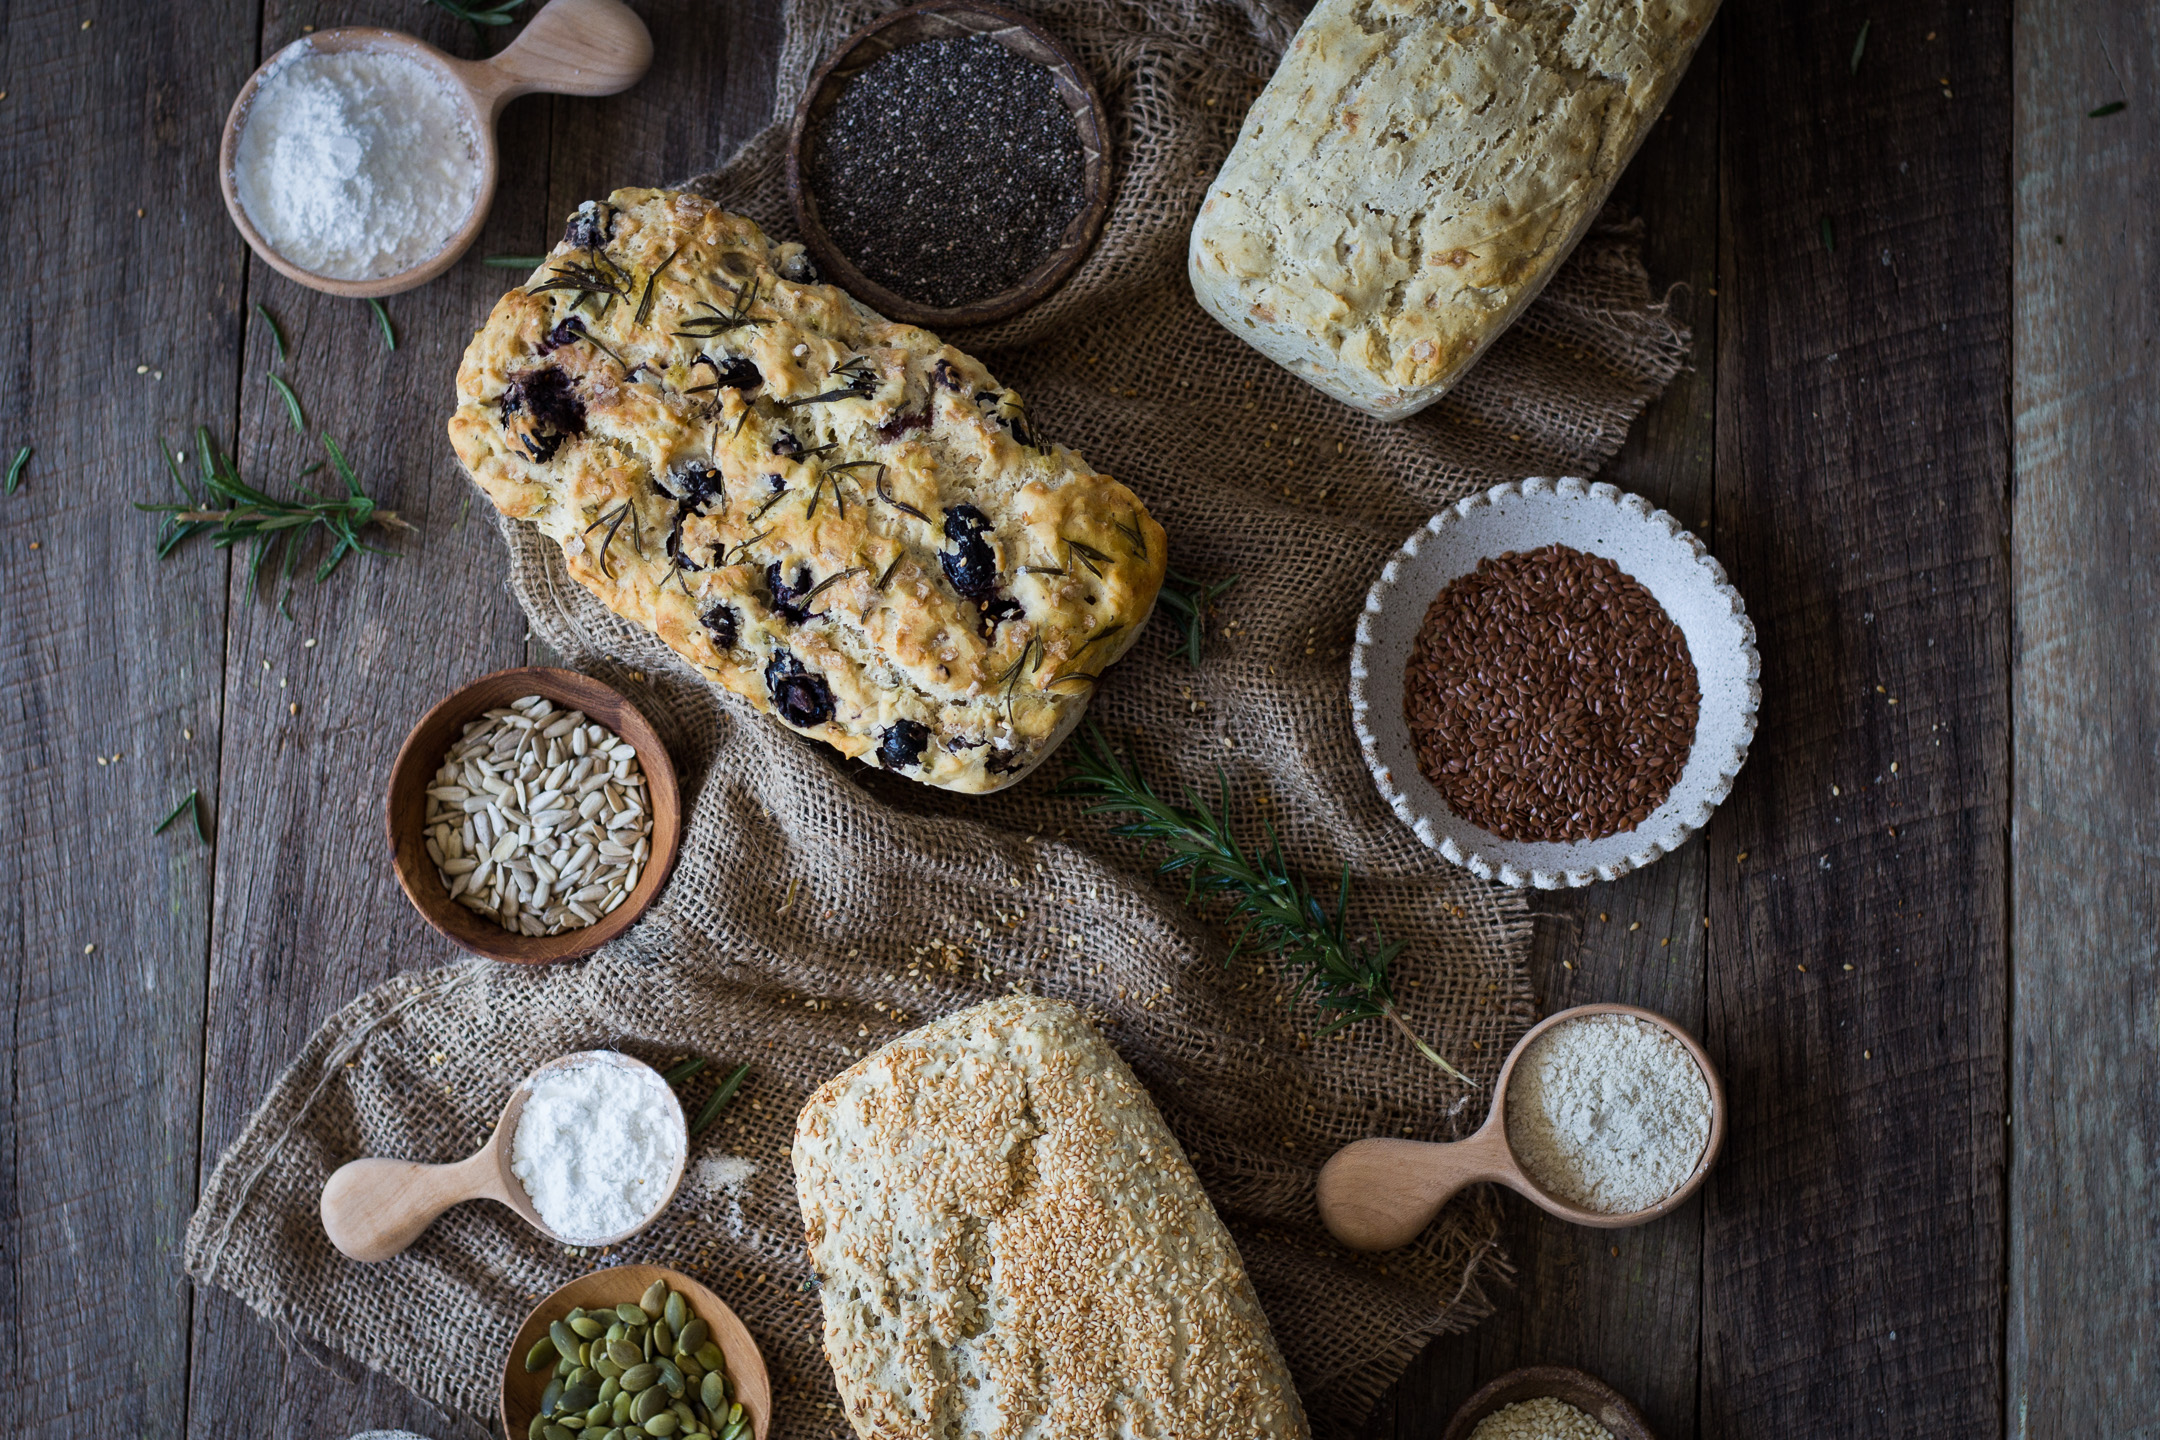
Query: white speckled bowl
<point x="1650" y="546"/>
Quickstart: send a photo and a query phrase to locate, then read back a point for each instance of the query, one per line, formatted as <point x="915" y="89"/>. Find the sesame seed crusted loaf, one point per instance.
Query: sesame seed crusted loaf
<point x="1414" y="173"/>
<point x="1011" y="1246"/>
<point x="841" y="519"/>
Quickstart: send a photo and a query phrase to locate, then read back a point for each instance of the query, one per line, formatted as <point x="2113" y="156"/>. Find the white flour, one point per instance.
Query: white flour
<point x="356" y="165"/>
<point x="1608" y="1112"/>
<point x="595" y="1147"/>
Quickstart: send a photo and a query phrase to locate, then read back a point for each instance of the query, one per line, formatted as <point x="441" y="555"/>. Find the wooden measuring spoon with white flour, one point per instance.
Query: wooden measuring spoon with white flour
<point x="1379" y="1194"/>
<point x="372" y="1209"/>
<point x="571" y="47"/>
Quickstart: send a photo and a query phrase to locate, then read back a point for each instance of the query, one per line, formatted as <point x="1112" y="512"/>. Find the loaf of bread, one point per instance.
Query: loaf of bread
<point x="1010" y="1244"/>
<point x="839" y="518"/>
<point x="1415" y="172"/>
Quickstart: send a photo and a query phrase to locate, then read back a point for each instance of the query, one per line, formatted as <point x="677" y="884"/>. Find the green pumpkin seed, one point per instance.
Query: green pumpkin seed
<point x="692" y="1372"/>
<point x="655" y="1298"/>
<point x="532" y="1431"/>
<point x="564" y="1338"/>
<point x="549" y="1396"/>
<point x="572" y="1423"/>
<point x="617" y="1331"/>
<point x="684" y="1413"/>
<point x="640" y="1377"/>
<point x="579" y="1398"/>
<point x="710" y="1357"/>
<point x="670" y="1378"/>
<point x="610" y="1387"/>
<point x="734" y="1414"/>
<point x="675" y="1311"/>
<point x="713" y="1391"/>
<point x="607" y="1368"/>
<point x="663" y="1337"/>
<point x="630" y="1314"/>
<point x="540" y="1356"/>
<point x="564" y="1364"/>
<point x="622" y="1408"/>
<point x="587" y="1327"/>
<point x="693" y="1334"/>
<point x="558" y="1432"/>
<point x="625" y="1354"/>
<point x="597" y="1417"/>
<point x="650" y="1402"/>
<point x="665" y="1423"/>
<point x="737" y="1430"/>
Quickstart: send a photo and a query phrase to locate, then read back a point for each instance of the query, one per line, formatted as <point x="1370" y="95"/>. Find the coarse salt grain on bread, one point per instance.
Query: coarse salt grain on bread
<point x="843" y="520"/>
<point x="1010" y="1243"/>
<point x="1415" y="172"/>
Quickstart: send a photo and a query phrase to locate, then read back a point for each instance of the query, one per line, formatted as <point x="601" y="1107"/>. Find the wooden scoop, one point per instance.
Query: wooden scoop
<point x="1379" y="1194"/>
<point x="571" y="47"/>
<point x="373" y="1209"/>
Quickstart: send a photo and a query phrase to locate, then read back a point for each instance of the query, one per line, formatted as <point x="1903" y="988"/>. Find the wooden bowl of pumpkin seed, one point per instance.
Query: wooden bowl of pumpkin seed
<point x="632" y="1352"/>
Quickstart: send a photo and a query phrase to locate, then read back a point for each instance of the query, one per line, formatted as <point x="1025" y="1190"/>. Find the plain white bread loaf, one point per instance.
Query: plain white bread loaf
<point x="1416" y="171"/>
<point x="1011" y="1246"/>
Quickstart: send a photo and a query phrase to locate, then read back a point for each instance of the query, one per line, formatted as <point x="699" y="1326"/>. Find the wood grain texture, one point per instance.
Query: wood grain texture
<point x="1632" y="1317"/>
<point x="1853" y="1242"/>
<point x="2084" y="1214"/>
<point x="109" y="687"/>
<point x="315" y="914"/>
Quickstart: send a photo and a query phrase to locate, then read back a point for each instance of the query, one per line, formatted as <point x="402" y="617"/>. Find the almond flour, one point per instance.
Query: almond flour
<point x="1608" y="1112"/>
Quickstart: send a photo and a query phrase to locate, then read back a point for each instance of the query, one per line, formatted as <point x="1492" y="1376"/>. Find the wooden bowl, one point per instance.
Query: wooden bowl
<point x="941" y="20"/>
<point x="747" y="1380"/>
<point x="1586" y="1393"/>
<point x="571" y="47"/>
<point x="421" y="756"/>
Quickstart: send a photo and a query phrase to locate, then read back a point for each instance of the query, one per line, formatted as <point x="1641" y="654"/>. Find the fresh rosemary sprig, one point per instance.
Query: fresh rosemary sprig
<point x="261" y="520"/>
<point x="292" y="403"/>
<point x="14" y="471"/>
<point x="1279" y="915"/>
<point x="514" y="262"/>
<point x="277" y="331"/>
<point x="1190" y="601"/>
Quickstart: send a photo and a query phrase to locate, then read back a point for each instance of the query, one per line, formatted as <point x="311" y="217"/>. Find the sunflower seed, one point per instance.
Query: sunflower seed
<point x="525" y="802"/>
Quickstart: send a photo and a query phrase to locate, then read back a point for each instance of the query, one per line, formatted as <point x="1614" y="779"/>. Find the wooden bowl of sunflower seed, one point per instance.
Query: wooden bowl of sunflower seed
<point x="533" y="815"/>
<point x="616" y="1350"/>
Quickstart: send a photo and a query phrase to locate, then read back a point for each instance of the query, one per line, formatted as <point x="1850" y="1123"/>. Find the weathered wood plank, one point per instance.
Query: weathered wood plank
<point x="314" y="914"/>
<point x="1631" y="1317"/>
<point x="2085" y="1078"/>
<point x="109" y="686"/>
<point x="1853" y="1242"/>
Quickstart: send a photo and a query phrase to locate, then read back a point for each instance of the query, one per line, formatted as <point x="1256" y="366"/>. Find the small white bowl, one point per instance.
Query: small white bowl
<point x="1666" y="560"/>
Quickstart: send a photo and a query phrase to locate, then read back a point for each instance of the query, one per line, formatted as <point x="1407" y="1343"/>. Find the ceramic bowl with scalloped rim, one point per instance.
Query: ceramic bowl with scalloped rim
<point x="1648" y="545"/>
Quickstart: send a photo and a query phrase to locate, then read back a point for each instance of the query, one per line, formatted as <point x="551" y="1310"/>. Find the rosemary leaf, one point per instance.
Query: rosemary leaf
<point x="189" y="803"/>
<point x="277" y="334"/>
<point x="14" y="471"/>
<point x="679" y="1073"/>
<point x="1859" y="46"/>
<point x="718" y="1100"/>
<point x="644" y="307"/>
<point x="514" y="262"/>
<point x="1190" y="601"/>
<point x="2113" y="107"/>
<point x="292" y="404"/>
<point x="1278" y="914"/>
<point x="382" y="318"/>
<point x="481" y="12"/>
<point x="1829" y="235"/>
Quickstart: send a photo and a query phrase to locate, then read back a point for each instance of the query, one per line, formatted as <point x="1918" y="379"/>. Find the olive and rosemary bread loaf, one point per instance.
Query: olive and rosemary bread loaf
<point x="1414" y="173"/>
<point x="839" y="518"/>
<point x="1009" y="1243"/>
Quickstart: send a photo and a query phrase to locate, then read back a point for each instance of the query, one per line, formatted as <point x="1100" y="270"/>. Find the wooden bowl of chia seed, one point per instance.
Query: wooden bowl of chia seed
<point x="949" y="166"/>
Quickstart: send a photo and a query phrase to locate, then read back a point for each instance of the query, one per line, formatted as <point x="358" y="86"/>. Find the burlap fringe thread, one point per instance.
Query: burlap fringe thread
<point x="822" y="908"/>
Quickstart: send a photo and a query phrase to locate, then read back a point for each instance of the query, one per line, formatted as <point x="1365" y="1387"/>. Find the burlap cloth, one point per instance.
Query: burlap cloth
<point x="821" y="908"/>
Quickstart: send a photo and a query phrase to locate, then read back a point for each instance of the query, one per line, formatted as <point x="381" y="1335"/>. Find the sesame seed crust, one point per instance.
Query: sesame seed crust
<point x="1012" y="1246"/>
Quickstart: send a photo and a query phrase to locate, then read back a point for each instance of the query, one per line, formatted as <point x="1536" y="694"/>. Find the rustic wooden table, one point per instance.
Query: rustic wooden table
<point x="1919" y="431"/>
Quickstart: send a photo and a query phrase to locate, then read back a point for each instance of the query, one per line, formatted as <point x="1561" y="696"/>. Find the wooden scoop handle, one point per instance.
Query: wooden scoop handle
<point x="572" y="47"/>
<point x="373" y="1209"/>
<point x="1378" y="1194"/>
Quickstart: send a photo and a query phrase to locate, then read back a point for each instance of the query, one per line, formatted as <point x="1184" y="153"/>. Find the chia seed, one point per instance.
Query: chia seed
<point x="948" y="169"/>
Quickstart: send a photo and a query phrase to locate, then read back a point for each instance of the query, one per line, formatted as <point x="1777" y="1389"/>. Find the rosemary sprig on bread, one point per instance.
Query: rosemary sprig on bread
<point x="1278" y="913"/>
